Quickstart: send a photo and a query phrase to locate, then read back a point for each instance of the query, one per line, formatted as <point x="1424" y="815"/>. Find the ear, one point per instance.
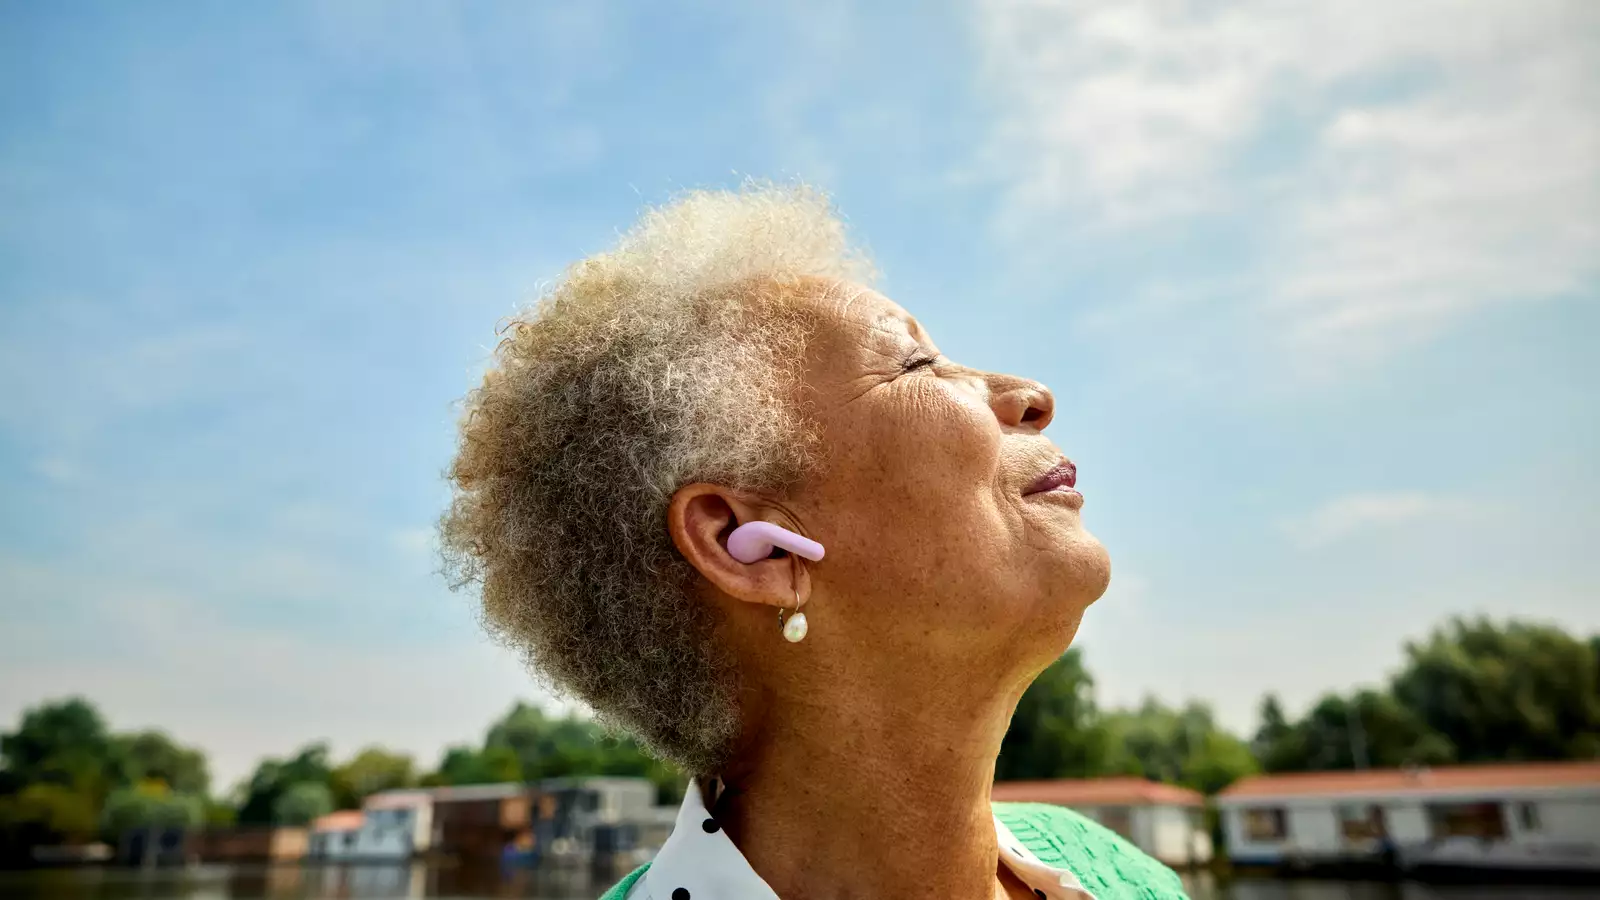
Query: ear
<point x="700" y="518"/>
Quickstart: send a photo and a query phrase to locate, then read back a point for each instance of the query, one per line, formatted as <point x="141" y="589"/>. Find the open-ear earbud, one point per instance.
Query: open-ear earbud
<point x="753" y="541"/>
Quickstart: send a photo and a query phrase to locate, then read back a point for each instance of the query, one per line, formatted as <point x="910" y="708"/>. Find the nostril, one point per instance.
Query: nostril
<point x="1033" y="414"/>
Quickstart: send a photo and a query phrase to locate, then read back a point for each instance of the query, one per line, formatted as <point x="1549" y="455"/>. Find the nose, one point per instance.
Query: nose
<point x="1020" y="403"/>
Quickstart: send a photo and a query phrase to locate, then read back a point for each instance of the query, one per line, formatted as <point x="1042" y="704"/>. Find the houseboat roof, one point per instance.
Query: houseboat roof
<point x="343" y="820"/>
<point x="1124" y="791"/>
<point x="396" y="799"/>
<point x="468" y="792"/>
<point x="1503" y="777"/>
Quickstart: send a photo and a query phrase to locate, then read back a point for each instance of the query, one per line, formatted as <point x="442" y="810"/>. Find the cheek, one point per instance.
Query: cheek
<point x="922" y="448"/>
<point x="912" y="477"/>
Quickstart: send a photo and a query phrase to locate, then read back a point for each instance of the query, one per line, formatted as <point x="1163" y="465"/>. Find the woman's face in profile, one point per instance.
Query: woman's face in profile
<point x="946" y="508"/>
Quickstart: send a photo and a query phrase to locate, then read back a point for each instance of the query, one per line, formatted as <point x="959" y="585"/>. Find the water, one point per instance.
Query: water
<point x="294" y="882"/>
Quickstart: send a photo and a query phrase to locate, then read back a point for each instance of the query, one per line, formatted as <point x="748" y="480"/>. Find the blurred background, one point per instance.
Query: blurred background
<point x="1314" y="286"/>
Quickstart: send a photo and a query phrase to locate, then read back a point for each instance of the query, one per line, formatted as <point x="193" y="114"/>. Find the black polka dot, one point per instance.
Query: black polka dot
<point x="709" y="826"/>
<point x="680" y="894"/>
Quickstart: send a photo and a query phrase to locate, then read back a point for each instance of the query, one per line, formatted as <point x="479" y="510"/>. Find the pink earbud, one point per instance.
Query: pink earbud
<point x="754" y="541"/>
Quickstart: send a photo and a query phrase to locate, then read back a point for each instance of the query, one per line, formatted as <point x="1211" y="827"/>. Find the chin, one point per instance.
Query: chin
<point x="1065" y="592"/>
<point x="1080" y="580"/>
<point x="1095" y="566"/>
<point x="1082" y="572"/>
<point x="1050" y="632"/>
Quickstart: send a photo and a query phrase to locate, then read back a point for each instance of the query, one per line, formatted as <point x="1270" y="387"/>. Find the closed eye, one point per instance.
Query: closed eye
<point x="918" y="361"/>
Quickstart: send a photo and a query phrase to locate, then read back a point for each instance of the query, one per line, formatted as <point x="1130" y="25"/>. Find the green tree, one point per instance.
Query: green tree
<point x="1389" y="736"/>
<point x="1369" y="729"/>
<point x="622" y="756"/>
<point x="64" y="743"/>
<point x="220" y="813"/>
<point x="546" y="746"/>
<point x="301" y="802"/>
<point x="1219" y="759"/>
<point x="1275" y="727"/>
<point x="154" y="756"/>
<point x="464" y="765"/>
<point x="1518" y="691"/>
<point x="46" y="813"/>
<point x="65" y="777"/>
<point x="1055" y="731"/>
<point x="1594" y="651"/>
<point x="1279" y="744"/>
<point x="150" y="804"/>
<point x="1179" y="746"/>
<point x="372" y="770"/>
<point x="273" y="778"/>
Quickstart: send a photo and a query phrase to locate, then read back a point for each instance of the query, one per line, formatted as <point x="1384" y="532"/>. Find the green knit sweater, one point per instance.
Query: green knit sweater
<point x="1107" y="865"/>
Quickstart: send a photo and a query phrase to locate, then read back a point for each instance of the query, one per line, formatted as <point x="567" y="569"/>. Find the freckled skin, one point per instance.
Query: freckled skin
<point x="943" y="593"/>
<point x="922" y="495"/>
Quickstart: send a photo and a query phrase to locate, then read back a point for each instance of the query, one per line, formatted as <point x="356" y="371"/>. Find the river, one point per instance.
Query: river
<point x="422" y="881"/>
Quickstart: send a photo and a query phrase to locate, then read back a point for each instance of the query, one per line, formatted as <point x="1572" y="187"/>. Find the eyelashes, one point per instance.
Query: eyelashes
<point x="918" y="361"/>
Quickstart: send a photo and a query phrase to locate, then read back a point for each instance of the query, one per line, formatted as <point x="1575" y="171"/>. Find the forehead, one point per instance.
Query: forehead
<point x="855" y="309"/>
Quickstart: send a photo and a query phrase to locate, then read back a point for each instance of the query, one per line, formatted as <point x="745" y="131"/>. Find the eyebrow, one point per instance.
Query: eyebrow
<point x="907" y="325"/>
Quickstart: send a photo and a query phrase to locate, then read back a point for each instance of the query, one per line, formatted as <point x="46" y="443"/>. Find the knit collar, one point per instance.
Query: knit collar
<point x="699" y="862"/>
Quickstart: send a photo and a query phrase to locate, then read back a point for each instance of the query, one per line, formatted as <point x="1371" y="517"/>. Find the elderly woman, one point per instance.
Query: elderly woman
<point x="728" y="363"/>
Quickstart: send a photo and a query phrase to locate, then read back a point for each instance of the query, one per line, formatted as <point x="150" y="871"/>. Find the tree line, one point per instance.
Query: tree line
<point x="1472" y="691"/>
<point x="65" y="778"/>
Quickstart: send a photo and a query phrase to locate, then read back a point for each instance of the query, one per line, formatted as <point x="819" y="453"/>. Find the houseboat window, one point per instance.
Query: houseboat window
<point x="1118" y="819"/>
<point x="349" y="839"/>
<point x="1479" y="820"/>
<point x="1361" y="823"/>
<point x="1265" y="825"/>
<point x="1528" y="816"/>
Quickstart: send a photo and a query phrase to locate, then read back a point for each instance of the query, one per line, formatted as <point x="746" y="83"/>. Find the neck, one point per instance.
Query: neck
<point x="864" y="796"/>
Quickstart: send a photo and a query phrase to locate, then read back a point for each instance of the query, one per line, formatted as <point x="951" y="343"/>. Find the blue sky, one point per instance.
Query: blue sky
<point x="1315" y="290"/>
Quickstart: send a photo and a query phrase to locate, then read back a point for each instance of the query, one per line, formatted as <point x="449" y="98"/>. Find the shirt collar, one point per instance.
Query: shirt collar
<point x="699" y="862"/>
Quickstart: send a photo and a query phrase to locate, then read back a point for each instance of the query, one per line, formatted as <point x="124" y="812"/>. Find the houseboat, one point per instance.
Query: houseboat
<point x="558" y="818"/>
<point x="272" y="844"/>
<point x="477" y="822"/>
<point x="333" y="836"/>
<point x="1163" y="820"/>
<point x="391" y="826"/>
<point x="395" y="825"/>
<point x="1520" y="819"/>
<point x="597" y="819"/>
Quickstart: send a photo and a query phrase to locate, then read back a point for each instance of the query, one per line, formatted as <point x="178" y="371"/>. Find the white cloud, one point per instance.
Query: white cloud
<point x="311" y="621"/>
<point x="156" y="655"/>
<point x="1392" y="165"/>
<point x="1352" y="514"/>
<point x="417" y="542"/>
<point x="73" y="367"/>
<point x="58" y="469"/>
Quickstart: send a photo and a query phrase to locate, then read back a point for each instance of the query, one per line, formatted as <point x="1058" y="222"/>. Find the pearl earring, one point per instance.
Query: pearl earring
<point x="794" y="630"/>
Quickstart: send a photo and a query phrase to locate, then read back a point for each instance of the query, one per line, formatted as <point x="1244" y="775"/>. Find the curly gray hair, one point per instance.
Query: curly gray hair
<point x="643" y="369"/>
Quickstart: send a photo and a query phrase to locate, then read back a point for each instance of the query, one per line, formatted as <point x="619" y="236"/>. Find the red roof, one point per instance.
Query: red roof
<point x="1125" y="791"/>
<point x="1440" y="778"/>
<point x="343" y="820"/>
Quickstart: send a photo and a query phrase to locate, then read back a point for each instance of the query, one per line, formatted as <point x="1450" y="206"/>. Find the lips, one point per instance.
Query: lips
<point x="1062" y="476"/>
